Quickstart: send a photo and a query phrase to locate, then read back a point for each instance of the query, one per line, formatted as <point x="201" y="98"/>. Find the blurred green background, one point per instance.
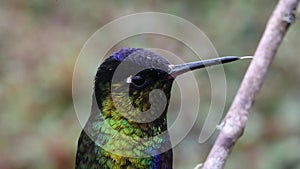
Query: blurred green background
<point x="39" y="44"/>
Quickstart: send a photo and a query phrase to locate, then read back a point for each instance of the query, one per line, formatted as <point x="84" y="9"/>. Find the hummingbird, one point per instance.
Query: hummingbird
<point x="127" y="127"/>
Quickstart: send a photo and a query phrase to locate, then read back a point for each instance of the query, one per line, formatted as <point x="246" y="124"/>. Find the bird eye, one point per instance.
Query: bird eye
<point x="138" y="80"/>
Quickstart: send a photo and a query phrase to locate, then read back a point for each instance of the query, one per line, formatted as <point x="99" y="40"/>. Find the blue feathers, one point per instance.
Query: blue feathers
<point x="123" y="53"/>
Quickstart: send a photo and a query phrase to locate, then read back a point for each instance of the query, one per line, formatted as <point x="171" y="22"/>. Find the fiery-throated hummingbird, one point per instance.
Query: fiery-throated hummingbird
<point x="127" y="127"/>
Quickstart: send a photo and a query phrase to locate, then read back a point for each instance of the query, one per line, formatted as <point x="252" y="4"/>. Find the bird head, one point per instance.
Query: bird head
<point x="132" y="92"/>
<point x="134" y="85"/>
<point x="137" y="83"/>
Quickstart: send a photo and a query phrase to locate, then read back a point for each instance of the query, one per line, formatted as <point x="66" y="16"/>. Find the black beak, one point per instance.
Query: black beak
<point x="176" y="70"/>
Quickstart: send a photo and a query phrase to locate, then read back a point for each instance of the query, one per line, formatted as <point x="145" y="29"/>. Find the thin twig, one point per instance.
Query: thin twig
<point x="234" y="123"/>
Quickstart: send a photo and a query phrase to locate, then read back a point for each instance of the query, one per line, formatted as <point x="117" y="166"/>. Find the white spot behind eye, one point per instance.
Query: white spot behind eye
<point x="170" y="66"/>
<point x="128" y="79"/>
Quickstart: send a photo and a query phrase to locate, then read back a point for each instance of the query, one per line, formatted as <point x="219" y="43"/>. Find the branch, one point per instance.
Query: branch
<point x="234" y="123"/>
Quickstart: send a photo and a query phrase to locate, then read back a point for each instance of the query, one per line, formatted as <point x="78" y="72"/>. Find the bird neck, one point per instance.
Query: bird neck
<point x="128" y="127"/>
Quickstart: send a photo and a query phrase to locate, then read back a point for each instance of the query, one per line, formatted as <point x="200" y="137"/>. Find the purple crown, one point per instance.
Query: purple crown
<point x="123" y="53"/>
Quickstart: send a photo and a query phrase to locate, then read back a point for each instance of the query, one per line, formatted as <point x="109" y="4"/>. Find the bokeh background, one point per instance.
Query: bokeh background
<point x="39" y="44"/>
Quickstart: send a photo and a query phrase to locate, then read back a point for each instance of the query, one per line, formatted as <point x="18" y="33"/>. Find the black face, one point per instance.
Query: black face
<point x="145" y="82"/>
<point x="148" y="78"/>
<point x="140" y="84"/>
